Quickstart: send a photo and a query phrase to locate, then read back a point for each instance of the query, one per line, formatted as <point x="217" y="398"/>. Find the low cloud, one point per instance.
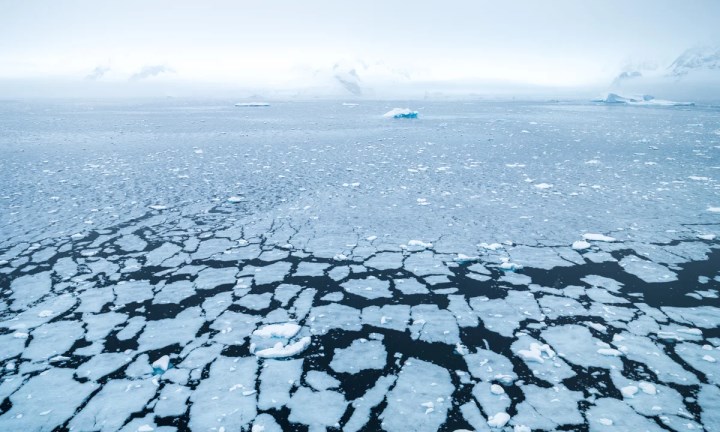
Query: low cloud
<point x="150" y="71"/>
<point x="97" y="73"/>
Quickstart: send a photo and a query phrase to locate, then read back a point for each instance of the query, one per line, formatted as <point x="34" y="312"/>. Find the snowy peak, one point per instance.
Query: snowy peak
<point x="704" y="58"/>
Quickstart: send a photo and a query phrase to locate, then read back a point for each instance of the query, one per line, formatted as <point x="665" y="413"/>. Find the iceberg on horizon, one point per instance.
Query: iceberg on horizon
<point x="401" y="113"/>
<point x="614" y="98"/>
<point x="252" y="104"/>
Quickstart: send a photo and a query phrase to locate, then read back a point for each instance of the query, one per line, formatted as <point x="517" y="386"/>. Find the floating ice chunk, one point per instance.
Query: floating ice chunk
<point x="235" y="199"/>
<point x="370" y="288"/>
<point x="498" y="420"/>
<point x="602" y="282"/>
<point x="610" y="352"/>
<point x="133" y="292"/>
<point x="385" y="261"/>
<point x="252" y="104"/>
<point x="629" y="391"/>
<point x="372" y="353"/>
<point x="113" y="405"/>
<point x="54" y="394"/>
<point x="28" y="289"/>
<point x="255" y="301"/>
<point x="577" y="345"/>
<point x="598" y="237"/>
<point x="644" y="350"/>
<point x="277" y="378"/>
<point x="289" y="350"/>
<point x="334" y="316"/>
<point x="214" y="405"/>
<point x="547" y="408"/>
<point x="613" y="415"/>
<point x="393" y="317"/>
<point x="265" y="423"/>
<point x="324" y="409"/>
<point x="491" y="246"/>
<point x="713" y="209"/>
<point x="708" y="400"/>
<point x="272" y="273"/>
<point x="157" y="207"/>
<point x="285" y="330"/>
<point x="543" y="186"/>
<point x="489" y="366"/>
<point x="536" y="351"/>
<point x="172" y="401"/>
<point x="431" y="324"/>
<point x="647" y="388"/>
<point x="420" y="244"/>
<point x="504" y="315"/>
<point x="53" y="339"/>
<point x="320" y="380"/>
<point x="419" y="382"/>
<point x="211" y="278"/>
<point x="401" y="113"/>
<point x="181" y="330"/>
<point x="363" y="405"/>
<point x="701" y="316"/>
<point x="490" y="401"/>
<point x="101" y="365"/>
<point x="648" y="271"/>
<point x="581" y="245"/>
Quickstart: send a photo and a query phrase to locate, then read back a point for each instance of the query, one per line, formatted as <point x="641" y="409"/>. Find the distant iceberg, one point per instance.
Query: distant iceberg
<point x="252" y="104"/>
<point x="614" y="98"/>
<point x="401" y="113"/>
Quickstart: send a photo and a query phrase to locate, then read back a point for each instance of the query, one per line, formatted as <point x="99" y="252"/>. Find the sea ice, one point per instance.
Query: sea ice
<point x="372" y="353"/>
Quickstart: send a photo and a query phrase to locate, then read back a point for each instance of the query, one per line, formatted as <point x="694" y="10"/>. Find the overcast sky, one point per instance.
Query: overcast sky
<point x="551" y="43"/>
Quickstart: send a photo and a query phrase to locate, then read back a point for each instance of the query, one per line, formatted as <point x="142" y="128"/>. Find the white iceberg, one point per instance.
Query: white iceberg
<point x="614" y="98"/>
<point x="252" y="104"/>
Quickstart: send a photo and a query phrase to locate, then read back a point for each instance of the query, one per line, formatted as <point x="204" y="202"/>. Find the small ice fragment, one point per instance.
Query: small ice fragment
<point x="543" y="185"/>
<point x="289" y="350"/>
<point x="496" y="389"/>
<point x="252" y="104"/>
<point x="629" y="391"/>
<point x="419" y="243"/>
<point x="145" y="428"/>
<point x="158" y="207"/>
<point x="535" y="352"/>
<point x="235" y="199"/>
<point x="162" y="363"/>
<point x="580" y="245"/>
<point x="598" y="237"/>
<point x="714" y="209"/>
<point x="498" y="420"/>
<point x="610" y="352"/>
<point x="605" y="421"/>
<point x="286" y="330"/>
<point x="647" y="388"/>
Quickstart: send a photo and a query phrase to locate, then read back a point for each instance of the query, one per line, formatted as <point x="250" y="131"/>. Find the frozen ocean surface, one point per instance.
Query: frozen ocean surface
<point x="514" y="266"/>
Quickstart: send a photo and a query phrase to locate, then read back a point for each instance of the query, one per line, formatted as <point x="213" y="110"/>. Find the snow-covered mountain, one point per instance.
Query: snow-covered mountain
<point x="693" y="75"/>
<point x="696" y="59"/>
